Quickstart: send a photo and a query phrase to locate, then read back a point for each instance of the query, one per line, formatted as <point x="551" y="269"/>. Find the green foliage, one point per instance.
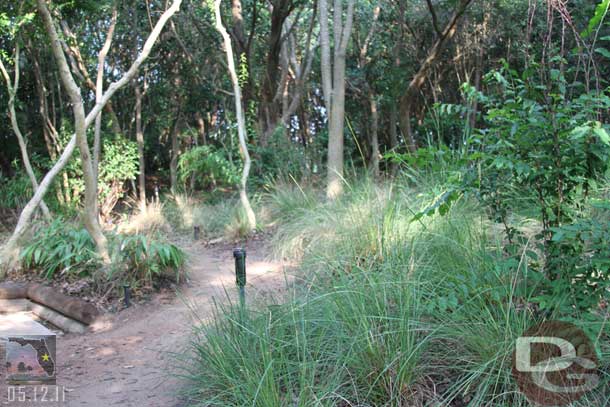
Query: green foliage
<point x="63" y="249"/>
<point x="16" y="190"/>
<point x="582" y="255"/>
<point x="600" y="12"/>
<point x="60" y="248"/>
<point x="279" y="158"/>
<point x="209" y="167"/>
<point x="546" y="148"/>
<point x="390" y="312"/>
<point x="119" y="164"/>
<point x="242" y="74"/>
<point x="144" y="259"/>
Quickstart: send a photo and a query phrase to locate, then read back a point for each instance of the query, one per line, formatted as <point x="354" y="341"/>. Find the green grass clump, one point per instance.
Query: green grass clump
<point x="390" y="312"/>
<point x="222" y="219"/>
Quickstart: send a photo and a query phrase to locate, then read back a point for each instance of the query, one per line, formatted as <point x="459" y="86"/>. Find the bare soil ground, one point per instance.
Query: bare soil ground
<point x="129" y="357"/>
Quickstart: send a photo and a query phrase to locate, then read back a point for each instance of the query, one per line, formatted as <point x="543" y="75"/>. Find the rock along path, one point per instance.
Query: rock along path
<point x="127" y="360"/>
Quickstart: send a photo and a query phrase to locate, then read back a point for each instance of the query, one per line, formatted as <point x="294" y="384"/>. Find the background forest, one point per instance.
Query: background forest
<point x="437" y="169"/>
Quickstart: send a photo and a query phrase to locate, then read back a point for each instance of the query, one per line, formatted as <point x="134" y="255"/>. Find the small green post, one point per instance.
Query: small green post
<point x="240" y="273"/>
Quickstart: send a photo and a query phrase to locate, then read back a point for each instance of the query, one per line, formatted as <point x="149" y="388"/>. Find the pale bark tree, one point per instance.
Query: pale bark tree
<point x="79" y="67"/>
<point x="12" y="88"/>
<point x="26" y="214"/>
<point x="90" y="212"/>
<point x="140" y="141"/>
<point x="333" y="86"/>
<point x="99" y="93"/>
<point x="241" y="121"/>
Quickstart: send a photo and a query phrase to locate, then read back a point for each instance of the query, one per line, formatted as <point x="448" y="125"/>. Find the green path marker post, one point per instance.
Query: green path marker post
<point x="127" y="295"/>
<point x="240" y="274"/>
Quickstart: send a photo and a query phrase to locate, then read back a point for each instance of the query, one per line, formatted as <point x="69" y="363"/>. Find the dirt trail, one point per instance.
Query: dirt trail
<point x="127" y="360"/>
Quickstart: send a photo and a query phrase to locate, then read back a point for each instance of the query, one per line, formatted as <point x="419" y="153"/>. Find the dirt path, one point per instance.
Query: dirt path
<point x="127" y="360"/>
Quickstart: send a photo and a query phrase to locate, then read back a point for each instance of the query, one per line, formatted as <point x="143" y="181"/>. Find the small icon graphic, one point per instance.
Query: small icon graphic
<point x="555" y="363"/>
<point x="30" y="360"/>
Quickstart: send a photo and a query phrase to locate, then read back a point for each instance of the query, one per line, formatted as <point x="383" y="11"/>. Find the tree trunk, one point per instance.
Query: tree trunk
<point x="334" y="88"/>
<point x="410" y="95"/>
<point x="270" y="113"/>
<point x="140" y="141"/>
<point x="90" y="207"/>
<point x="325" y="66"/>
<point x="12" y="91"/>
<point x="374" y="136"/>
<point x="201" y="128"/>
<point x="99" y="93"/>
<point x="241" y="122"/>
<point x="173" y="164"/>
<point x="335" y="130"/>
<point x="8" y="252"/>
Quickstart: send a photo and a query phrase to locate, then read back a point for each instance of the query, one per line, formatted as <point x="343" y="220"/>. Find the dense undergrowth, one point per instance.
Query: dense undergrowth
<point x="391" y="311"/>
<point x="64" y="250"/>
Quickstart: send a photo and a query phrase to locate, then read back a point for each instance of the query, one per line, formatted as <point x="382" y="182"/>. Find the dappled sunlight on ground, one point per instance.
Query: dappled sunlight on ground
<point x="128" y="358"/>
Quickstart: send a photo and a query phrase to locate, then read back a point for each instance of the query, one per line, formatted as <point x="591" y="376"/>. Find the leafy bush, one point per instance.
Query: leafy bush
<point x="142" y="259"/>
<point x="543" y="143"/>
<point x="583" y="256"/>
<point x="60" y="248"/>
<point x="119" y="164"/>
<point x="279" y="157"/>
<point x="15" y="190"/>
<point x="208" y="167"/>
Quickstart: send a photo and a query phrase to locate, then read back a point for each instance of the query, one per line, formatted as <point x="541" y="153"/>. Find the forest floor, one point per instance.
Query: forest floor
<point x="129" y="358"/>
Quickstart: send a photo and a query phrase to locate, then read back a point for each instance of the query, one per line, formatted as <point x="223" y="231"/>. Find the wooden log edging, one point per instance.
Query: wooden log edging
<point x="55" y="305"/>
<point x="72" y="307"/>
<point x="13" y="291"/>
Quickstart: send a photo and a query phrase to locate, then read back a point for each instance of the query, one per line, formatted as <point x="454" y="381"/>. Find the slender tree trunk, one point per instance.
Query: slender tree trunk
<point x="335" y="130"/>
<point x="80" y="67"/>
<point x="99" y="93"/>
<point x="90" y="208"/>
<point x="140" y="141"/>
<point x="201" y="128"/>
<point x="326" y="65"/>
<point x="173" y="164"/>
<point x="241" y="121"/>
<point x="410" y="95"/>
<point x="334" y="88"/>
<point x="25" y="217"/>
<point x="374" y="135"/>
<point x="12" y="91"/>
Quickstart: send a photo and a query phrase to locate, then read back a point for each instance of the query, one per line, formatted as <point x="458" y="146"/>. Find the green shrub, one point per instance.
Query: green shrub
<point x="143" y="260"/>
<point x="119" y="164"/>
<point x="208" y="167"/>
<point x="16" y="190"/>
<point x="63" y="249"/>
<point x="60" y="248"/>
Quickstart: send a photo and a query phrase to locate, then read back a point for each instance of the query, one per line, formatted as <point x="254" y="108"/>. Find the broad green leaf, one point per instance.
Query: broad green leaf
<point x="600" y="11"/>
